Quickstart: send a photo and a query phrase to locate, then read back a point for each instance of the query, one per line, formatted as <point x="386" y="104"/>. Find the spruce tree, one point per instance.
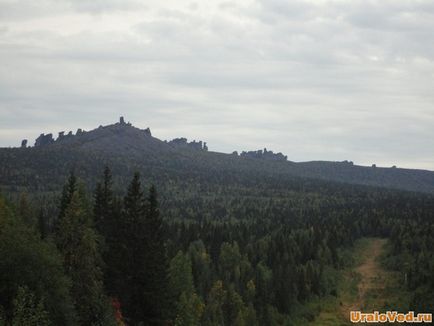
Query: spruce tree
<point x="78" y="243"/>
<point x="107" y="219"/>
<point x="143" y="265"/>
<point x="68" y="190"/>
<point x="103" y="207"/>
<point x="157" y="302"/>
<point x="42" y="224"/>
<point x="131" y="250"/>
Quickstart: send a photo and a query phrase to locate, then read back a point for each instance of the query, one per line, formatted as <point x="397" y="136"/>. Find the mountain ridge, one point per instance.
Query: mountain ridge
<point x="129" y="148"/>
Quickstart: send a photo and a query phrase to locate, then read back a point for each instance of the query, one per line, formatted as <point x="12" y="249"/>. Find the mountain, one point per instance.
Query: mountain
<point x="126" y="149"/>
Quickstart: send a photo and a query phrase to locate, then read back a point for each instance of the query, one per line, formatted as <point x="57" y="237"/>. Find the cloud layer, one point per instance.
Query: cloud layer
<point x="329" y="80"/>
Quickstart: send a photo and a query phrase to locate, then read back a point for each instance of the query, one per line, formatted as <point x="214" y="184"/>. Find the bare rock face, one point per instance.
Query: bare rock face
<point x="43" y="140"/>
<point x="24" y="143"/>
<point x="62" y="135"/>
<point x="182" y="142"/>
<point x="148" y="132"/>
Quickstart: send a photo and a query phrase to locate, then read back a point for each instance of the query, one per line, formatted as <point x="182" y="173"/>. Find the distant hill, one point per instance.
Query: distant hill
<point x="126" y="149"/>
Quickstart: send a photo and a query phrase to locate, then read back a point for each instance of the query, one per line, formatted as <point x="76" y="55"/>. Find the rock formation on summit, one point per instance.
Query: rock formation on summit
<point x="43" y="140"/>
<point x="182" y="142"/>
<point x="265" y="154"/>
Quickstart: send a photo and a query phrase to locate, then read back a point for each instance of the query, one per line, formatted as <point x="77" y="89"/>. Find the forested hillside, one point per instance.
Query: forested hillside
<point x="127" y="149"/>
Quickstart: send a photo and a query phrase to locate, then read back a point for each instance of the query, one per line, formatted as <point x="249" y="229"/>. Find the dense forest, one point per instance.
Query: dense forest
<point x="235" y="250"/>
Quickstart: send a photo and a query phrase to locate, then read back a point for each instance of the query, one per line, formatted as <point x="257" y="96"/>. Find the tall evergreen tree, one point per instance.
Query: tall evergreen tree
<point x="130" y="251"/>
<point x="143" y="265"/>
<point x="42" y="224"/>
<point x="115" y="251"/>
<point x="78" y="243"/>
<point x="103" y="207"/>
<point x="104" y="216"/>
<point x="157" y="301"/>
<point x="68" y="190"/>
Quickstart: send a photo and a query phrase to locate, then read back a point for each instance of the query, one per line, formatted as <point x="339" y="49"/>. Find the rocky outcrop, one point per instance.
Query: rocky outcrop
<point x="265" y="154"/>
<point x="182" y="142"/>
<point x="120" y="127"/>
<point x="43" y="140"/>
<point x="147" y="131"/>
<point x="62" y="135"/>
<point x="123" y="123"/>
<point x="24" y="143"/>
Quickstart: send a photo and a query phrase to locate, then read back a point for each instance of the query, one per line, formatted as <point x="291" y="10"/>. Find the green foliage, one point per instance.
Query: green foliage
<point x="156" y="301"/>
<point x="68" y="191"/>
<point x="189" y="310"/>
<point x="214" y="314"/>
<point x="142" y="266"/>
<point x="412" y="253"/>
<point x="78" y="243"/>
<point x="181" y="275"/>
<point x="229" y="261"/>
<point x="28" y="311"/>
<point x="34" y="265"/>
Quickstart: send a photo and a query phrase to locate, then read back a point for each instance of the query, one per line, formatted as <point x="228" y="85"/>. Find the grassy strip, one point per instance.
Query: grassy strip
<point x="386" y="293"/>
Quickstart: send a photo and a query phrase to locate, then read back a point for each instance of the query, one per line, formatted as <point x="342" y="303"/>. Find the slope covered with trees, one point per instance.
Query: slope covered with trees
<point x="127" y="149"/>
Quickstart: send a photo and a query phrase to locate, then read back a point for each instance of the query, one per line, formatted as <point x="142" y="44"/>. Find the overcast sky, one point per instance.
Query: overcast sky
<point x="316" y="80"/>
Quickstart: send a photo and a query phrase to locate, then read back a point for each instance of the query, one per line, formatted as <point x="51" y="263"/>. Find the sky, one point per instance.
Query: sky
<point x="316" y="80"/>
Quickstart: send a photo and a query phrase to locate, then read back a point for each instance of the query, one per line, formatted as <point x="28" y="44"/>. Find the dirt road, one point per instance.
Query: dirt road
<point x="372" y="278"/>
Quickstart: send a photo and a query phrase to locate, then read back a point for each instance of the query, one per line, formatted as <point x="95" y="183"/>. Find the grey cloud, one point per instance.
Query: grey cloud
<point x="21" y="10"/>
<point x="315" y="80"/>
